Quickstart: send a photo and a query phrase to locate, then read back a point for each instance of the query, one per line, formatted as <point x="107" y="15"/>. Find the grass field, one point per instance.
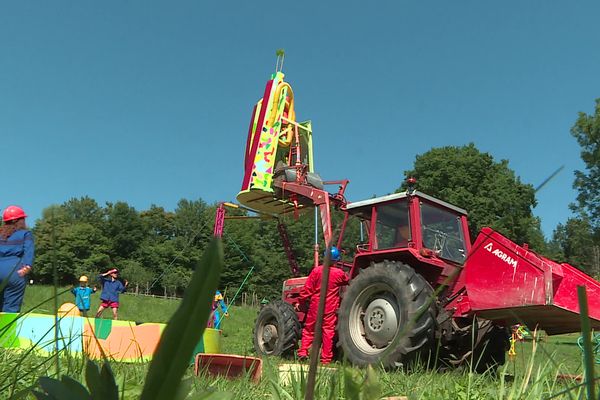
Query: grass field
<point x="532" y="374"/>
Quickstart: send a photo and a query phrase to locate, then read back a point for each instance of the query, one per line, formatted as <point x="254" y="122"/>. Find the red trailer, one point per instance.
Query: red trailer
<point x="510" y="283"/>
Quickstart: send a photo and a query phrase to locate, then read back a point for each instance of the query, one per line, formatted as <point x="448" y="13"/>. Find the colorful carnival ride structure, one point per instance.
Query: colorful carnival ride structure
<point x="279" y="176"/>
<point x="418" y="282"/>
<point x="276" y="143"/>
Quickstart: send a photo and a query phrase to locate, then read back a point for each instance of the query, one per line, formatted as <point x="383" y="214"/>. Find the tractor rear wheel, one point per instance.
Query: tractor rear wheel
<point x="388" y="303"/>
<point x="277" y="329"/>
<point x="493" y="343"/>
<point x="484" y="350"/>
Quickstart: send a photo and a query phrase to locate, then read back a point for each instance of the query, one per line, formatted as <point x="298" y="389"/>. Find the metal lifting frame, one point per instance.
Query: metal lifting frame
<point x="322" y="200"/>
<point x="287" y="246"/>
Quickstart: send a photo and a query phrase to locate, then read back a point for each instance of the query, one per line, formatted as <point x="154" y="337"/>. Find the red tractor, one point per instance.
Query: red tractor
<point x="417" y="284"/>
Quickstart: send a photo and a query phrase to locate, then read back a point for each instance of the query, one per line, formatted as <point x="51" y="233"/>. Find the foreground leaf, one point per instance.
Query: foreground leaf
<point x="92" y="377"/>
<point x="102" y="383"/>
<point x="185" y="328"/>
<point x="371" y="387"/>
<point x="56" y="389"/>
<point x="74" y="387"/>
<point x="107" y="379"/>
<point x="40" y="395"/>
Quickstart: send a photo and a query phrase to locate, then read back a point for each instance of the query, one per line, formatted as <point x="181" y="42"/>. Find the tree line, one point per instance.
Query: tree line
<point x="157" y="250"/>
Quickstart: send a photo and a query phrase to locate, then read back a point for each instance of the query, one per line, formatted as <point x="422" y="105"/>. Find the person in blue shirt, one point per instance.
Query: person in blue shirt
<point x="111" y="288"/>
<point x="16" y="258"/>
<point x="82" y="295"/>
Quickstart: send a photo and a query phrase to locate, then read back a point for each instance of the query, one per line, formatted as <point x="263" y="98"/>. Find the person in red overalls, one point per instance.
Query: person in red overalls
<point x="310" y="292"/>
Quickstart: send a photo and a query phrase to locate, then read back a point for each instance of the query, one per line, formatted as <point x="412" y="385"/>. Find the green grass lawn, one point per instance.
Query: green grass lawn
<point x="553" y="356"/>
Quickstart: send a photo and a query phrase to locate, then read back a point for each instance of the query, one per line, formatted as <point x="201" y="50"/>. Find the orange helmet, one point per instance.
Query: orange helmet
<point x="13" y="212"/>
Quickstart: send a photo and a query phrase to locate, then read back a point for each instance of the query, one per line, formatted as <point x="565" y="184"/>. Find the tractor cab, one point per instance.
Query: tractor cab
<point x="411" y="224"/>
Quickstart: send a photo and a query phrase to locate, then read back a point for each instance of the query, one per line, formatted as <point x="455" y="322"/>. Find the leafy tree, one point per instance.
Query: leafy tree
<point x="269" y="258"/>
<point x="75" y="248"/>
<point x="578" y="240"/>
<point x="124" y="229"/>
<point x="192" y="222"/>
<point x="243" y="247"/>
<point x="137" y="275"/>
<point x="489" y="190"/>
<point x="573" y="243"/>
<point x="159" y="225"/>
<point x="256" y="245"/>
<point x="156" y="258"/>
<point x="176" y="278"/>
<point x="156" y="248"/>
<point x="587" y="132"/>
<point x="84" y="209"/>
<point x="301" y="232"/>
<point x="51" y="250"/>
<point x="88" y="247"/>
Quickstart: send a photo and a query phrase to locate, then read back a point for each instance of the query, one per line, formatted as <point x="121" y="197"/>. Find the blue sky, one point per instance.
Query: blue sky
<point x="149" y="102"/>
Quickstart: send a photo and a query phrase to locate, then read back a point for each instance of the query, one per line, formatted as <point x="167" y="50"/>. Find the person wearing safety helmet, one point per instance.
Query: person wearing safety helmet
<point x="215" y="319"/>
<point x="82" y="295"/>
<point x="111" y="288"/>
<point x="311" y="293"/>
<point x="17" y="250"/>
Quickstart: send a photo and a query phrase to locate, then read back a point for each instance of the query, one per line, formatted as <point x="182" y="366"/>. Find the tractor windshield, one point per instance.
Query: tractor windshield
<point x="442" y="232"/>
<point x="392" y="229"/>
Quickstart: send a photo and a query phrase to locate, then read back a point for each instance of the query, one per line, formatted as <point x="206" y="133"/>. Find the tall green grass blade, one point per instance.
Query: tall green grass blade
<point x="586" y="333"/>
<point x="185" y="329"/>
<point x="276" y="391"/>
<point x="211" y="396"/>
<point x="352" y="384"/>
<point x="123" y="388"/>
<point x="331" y="395"/>
<point x="298" y="382"/>
<point x="22" y="394"/>
<point x="55" y="292"/>
<point x="371" y="387"/>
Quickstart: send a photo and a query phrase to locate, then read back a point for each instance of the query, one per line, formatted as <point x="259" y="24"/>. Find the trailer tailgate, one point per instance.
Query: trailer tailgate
<point x="509" y="283"/>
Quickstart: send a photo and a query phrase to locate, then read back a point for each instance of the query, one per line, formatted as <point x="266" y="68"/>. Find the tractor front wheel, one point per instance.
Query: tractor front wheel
<point x="277" y="329"/>
<point x="387" y="304"/>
